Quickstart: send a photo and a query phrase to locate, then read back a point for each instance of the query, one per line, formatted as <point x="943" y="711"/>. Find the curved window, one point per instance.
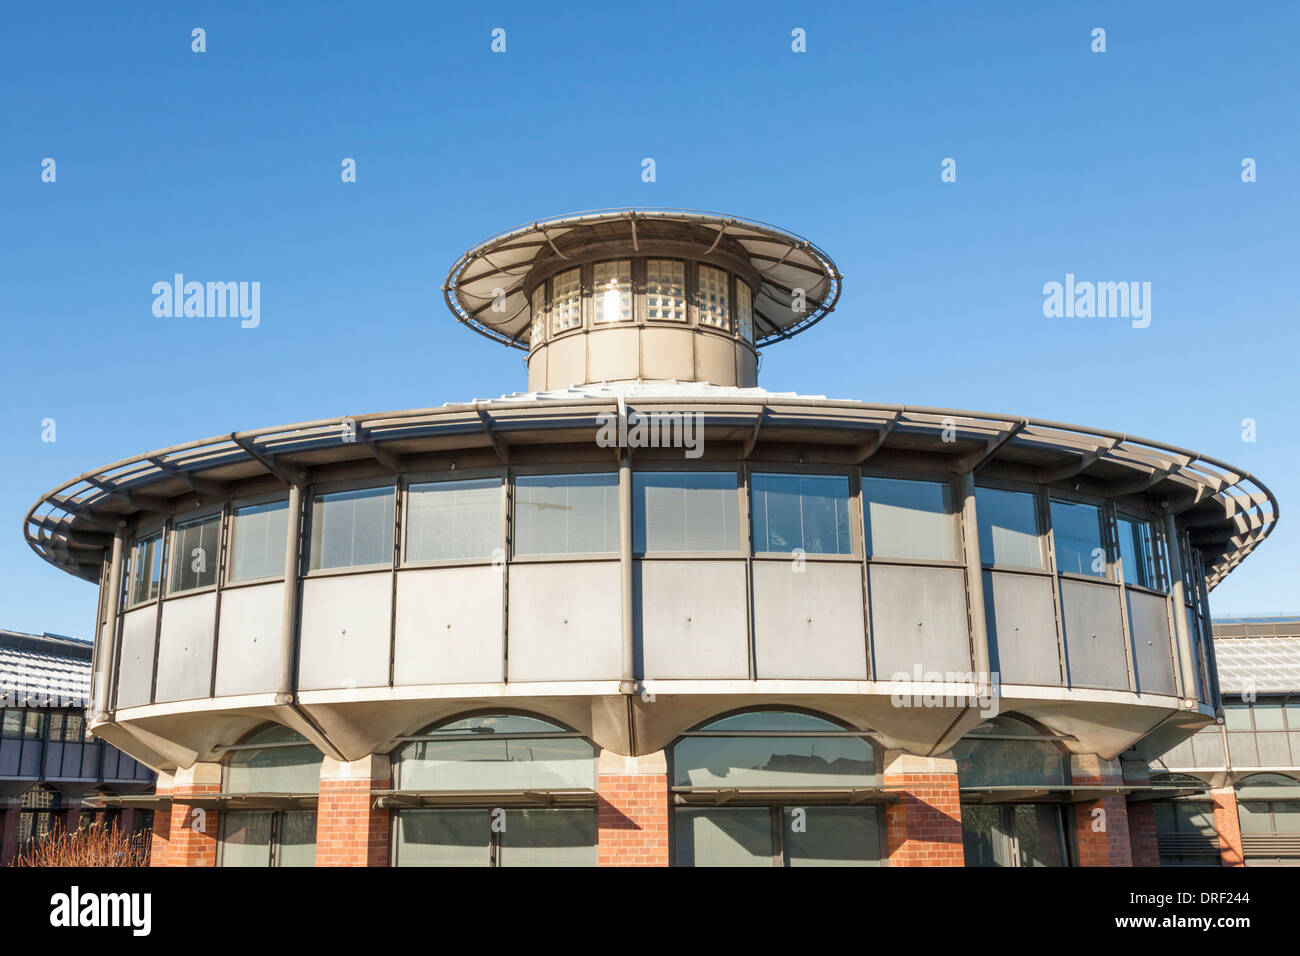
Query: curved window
<point x="1076" y="533"/>
<point x="146" y="568"/>
<point x="801" y="512"/>
<point x="273" y="761"/>
<point x="612" y="282"/>
<point x="566" y="514"/>
<point x="712" y="298"/>
<point x="257" y="541"/>
<point x="483" y="789"/>
<point x="909" y="519"/>
<point x="352" y="528"/>
<point x="1137" y="552"/>
<point x="996" y="759"/>
<point x="794" y="785"/>
<point x="566" y="301"/>
<point x="665" y="286"/>
<point x="448" y="520"/>
<point x="684" y="511"/>
<point x="538" y="334"/>
<point x="1009" y="529"/>
<point x="744" y="311"/>
<point x="194" y="563"/>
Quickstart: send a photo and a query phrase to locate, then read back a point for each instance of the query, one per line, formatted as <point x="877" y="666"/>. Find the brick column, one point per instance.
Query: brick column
<point x="194" y="830"/>
<point x="69" y="818"/>
<point x="161" y="836"/>
<point x="1228" y="825"/>
<point x="10" y="817"/>
<point x="924" y="826"/>
<point x="349" y="830"/>
<point x="632" y="810"/>
<point x="1143" y="845"/>
<point x="1102" y="838"/>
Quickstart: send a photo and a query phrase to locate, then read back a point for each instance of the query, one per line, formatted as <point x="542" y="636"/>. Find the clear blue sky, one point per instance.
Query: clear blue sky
<point x="225" y="166"/>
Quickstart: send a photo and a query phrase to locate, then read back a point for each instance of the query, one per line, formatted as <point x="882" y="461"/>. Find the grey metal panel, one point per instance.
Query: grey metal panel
<point x="248" y="649"/>
<point x="691" y="619"/>
<point x="566" y="360"/>
<point x="1153" y="652"/>
<point x="449" y="626"/>
<point x="614" y="353"/>
<point x="919" y="620"/>
<point x="1241" y="749"/>
<point x="346" y="628"/>
<point x="565" y="621"/>
<point x="1094" y="635"/>
<point x="9" y="757"/>
<point x="1180" y="755"/>
<point x="809" y="623"/>
<point x="1021" y="613"/>
<point x="135" y="673"/>
<point x="1207" y="748"/>
<point x="53" y="759"/>
<point x="715" y="359"/>
<point x="90" y="759"/>
<point x="185" y="647"/>
<point x="1273" y="749"/>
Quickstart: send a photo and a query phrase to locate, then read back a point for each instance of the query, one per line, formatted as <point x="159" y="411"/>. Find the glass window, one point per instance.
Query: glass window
<point x="1268" y="717"/>
<point x="146" y="560"/>
<point x="772" y="750"/>
<point x="909" y="519"/>
<point x="684" y="511"/>
<point x="194" y="564"/>
<point x="566" y="514"/>
<point x="566" y="301"/>
<point x="538" y="334"/>
<point x="665" y="290"/>
<point x="731" y="836"/>
<point x="548" y="838"/>
<point x="712" y="298"/>
<point x="455" y="837"/>
<point x="352" y="528"/>
<point x="1135" y="552"/>
<point x="453" y="520"/>
<point x="498" y="752"/>
<point x="613" y="291"/>
<point x="1237" y="717"/>
<point x="1010" y="532"/>
<point x="13" y="724"/>
<point x="286" y="764"/>
<point x="1076" y="532"/>
<point x="744" y="311"/>
<point x="1293" y="717"/>
<point x="830" y="836"/>
<point x="33" y="725"/>
<point x="810" y="512"/>
<point x="246" y="838"/>
<point x="487" y="837"/>
<point x="990" y="757"/>
<point x="258" y="537"/>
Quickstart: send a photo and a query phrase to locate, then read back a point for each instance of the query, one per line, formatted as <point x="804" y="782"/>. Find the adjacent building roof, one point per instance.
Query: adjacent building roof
<point x="1259" y="654"/>
<point x="44" y="670"/>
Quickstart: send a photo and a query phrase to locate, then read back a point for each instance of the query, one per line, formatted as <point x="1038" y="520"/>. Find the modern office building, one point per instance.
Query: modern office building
<point x="1241" y="802"/>
<point x="53" y="773"/>
<point x="648" y="612"/>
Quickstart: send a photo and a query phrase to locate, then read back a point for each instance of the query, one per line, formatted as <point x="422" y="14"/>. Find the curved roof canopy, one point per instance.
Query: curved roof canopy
<point x="782" y="261"/>
<point x="1227" y="511"/>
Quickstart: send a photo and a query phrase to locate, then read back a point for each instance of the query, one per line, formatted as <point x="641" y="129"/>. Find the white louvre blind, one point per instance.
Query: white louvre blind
<point x="453" y="520"/>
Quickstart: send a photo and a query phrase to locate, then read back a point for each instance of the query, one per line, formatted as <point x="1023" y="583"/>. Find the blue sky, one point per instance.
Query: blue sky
<point x="1123" y="165"/>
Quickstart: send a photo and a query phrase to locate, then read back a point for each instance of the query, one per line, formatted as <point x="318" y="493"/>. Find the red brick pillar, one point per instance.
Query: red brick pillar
<point x="924" y="826"/>
<point x="1100" y="826"/>
<point x="161" y="835"/>
<point x="632" y="810"/>
<point x="349" y="830"/>
<point x="194" y="830"/>
<point x="10" y="817"/>
<point x="69" y="817"/>
<point x="1143" y="845"/>
<point x="1228" y="825"/>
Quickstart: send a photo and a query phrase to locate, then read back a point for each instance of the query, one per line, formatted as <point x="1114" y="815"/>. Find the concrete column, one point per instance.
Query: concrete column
<point x="1100" y="826"/>
<point x="632" y="810"/>
<point x="161" y="836"/>
<point x="975" y="578"/>
<point x="349" y="830"/>
<point x="194" y="830"/>
<point x="924" y="826"/>
<point x="1228" y="826"/>
<point x="1187" y="663"/>
<point x="10" y="817"/>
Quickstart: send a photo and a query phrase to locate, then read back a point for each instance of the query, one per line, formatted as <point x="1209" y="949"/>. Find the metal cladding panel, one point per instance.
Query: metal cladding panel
<point x="565" y="621"/>
<point x="9" y="757"/>
<point x="614" y="353"/>
<point x="185" y="647"/>
<point x="666" y="354"/>
<point x="715" y="359"/>
<point x="1241" y="750"/>
<point x="1153" y="653"/>
<point x="1207" y="748"/>
<point x="919" y="621"/>
<point x="691" y="619"/>
<point x="566" y="361"/>
<point x="347" y="622"/>
<point x="1181" y="755"/>
<point x="1273" y="750"/>
<point x="90" y="759"/>
<point x="1094" y="635"/>
<point x="449" y="626"/>
<point x="1021" y="614"/>
<point x="747" y="374"/>
<point x="248" y="644"/>
<point x="135" y="664"/>
<point x="808" y="623"/>
<point x="53" y="759"/>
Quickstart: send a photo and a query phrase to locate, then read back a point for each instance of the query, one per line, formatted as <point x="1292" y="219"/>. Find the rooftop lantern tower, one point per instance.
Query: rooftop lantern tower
<point x="642" y="294"/>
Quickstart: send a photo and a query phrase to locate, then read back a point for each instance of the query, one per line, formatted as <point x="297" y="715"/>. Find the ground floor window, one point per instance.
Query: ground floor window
<point x="1023" y="834"/>
<point x="38" y="815"/>
<point x="496" y="836"/>
<point x="268" y="838"/>
<point x="1185" y="833"/>
<point x="777" y="836"/>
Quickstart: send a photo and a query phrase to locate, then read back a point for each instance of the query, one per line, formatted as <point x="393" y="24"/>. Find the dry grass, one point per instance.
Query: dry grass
<point x="96" y="845"/>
